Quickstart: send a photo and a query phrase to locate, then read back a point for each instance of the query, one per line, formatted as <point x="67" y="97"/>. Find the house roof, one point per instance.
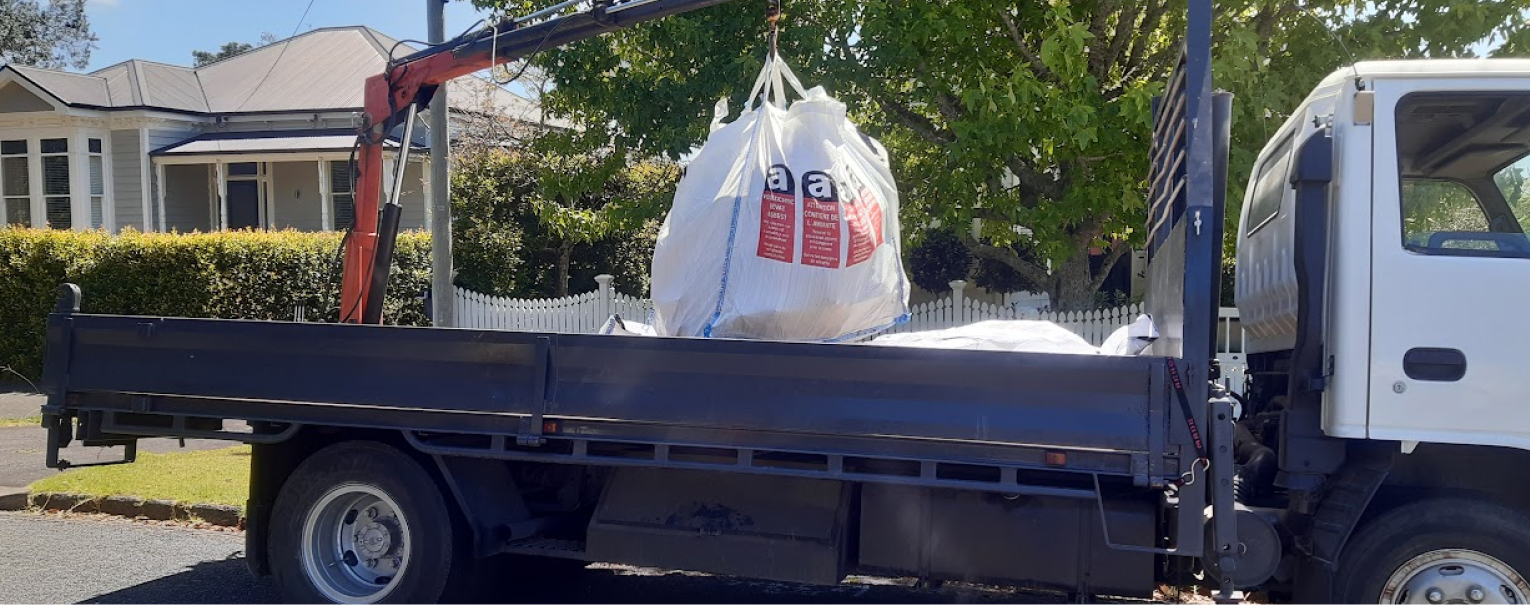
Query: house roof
<point x="323" y="69"/>
<point x="72" y="89"/>
<point x="284" y="141"/>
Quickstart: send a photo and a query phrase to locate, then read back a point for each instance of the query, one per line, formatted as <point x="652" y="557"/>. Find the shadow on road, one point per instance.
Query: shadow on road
<point x="226" y="581"/>
<point x="500" y="581"/>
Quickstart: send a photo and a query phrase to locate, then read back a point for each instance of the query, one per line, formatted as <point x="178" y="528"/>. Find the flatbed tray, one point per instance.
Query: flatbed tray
<point x="1104" y="414"/>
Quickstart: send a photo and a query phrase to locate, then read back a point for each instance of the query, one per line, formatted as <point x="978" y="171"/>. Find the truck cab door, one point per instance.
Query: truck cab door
<point x="1450" y="283"/>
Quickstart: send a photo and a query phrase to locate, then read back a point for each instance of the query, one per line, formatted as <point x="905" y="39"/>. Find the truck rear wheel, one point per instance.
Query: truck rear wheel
<point x="1445" y="550"/>
<point x="361" y="522"/>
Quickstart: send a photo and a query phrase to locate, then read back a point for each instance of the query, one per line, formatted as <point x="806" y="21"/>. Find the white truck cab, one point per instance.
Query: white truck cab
<point x="1429" y="288"/>
<point x="1384" y="286"/>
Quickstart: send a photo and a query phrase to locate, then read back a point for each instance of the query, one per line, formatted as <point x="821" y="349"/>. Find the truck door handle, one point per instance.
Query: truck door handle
<point x="1434" y="364"/>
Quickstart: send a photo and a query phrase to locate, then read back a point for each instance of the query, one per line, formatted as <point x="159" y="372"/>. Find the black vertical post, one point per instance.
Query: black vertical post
<point x="1222" y="123"/>
<point x="1203" y="241"/>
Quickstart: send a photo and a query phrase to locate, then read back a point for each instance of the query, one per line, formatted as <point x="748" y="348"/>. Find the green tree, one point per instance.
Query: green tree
<point x="231" y="49"/>
<point x="936" y="258"/>
<point x="514" y="209"/>
<point x="1022" y="114"/>
<point x="54" y="34"/>
<point x="1272" y="65"/>
<point x="583" y="199"/>
<point x="1511" y="181"/>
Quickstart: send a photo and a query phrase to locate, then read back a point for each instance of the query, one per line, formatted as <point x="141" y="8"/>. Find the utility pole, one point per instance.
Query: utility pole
<point x="443" y="295"/>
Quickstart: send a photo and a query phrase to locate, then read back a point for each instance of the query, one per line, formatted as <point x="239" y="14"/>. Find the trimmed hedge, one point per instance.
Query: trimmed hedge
<point x="230" y="275"/>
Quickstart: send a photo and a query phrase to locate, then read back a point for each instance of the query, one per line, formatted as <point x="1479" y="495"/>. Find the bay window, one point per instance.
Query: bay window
<point x="54" y="179"/>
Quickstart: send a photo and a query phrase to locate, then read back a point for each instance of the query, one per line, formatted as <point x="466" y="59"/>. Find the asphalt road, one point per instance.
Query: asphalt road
<point x="17" y="401"/>
<point x="47" y="559"/>
<point x="52" y="560"/>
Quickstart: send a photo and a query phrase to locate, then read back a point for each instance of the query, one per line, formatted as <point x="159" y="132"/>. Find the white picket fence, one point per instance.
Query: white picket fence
<point x="578" y="314"/>
<point x="585" y="313"/>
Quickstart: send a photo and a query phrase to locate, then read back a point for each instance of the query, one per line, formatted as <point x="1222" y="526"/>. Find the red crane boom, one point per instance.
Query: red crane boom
<point x="394" y="97"/>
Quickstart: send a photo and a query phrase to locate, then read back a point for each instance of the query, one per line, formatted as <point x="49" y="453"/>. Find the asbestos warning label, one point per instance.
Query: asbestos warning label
<point x="778" y="216"/>
<point x="822" y="222"/>
<point x="863" y="221"/>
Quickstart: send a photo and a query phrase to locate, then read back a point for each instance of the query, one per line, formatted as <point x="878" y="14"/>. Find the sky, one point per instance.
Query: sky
<point x="168" y="30"/>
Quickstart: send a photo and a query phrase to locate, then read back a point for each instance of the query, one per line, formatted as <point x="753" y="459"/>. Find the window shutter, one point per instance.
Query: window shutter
<point x="14" y="178"/>
<point x="15" y="183"/>
<point x="56" y="189"/>
<point x="341" y="194"/>
<point x="97" y="189"/>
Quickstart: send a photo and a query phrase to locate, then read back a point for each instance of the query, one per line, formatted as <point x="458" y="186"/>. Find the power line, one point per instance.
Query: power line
<point x="279" y="54"/>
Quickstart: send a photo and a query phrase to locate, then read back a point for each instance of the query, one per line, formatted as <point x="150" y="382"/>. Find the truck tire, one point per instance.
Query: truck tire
<point x="1443" y="550"/>
<point x="361" y="522"/>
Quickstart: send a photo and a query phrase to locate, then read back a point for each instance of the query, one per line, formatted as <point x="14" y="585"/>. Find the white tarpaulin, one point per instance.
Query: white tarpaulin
<point x="1027" y="335"/>
<point x="785" y="226"/>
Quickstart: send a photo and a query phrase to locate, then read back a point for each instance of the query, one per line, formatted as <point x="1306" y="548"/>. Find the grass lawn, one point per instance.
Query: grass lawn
<point x="34" y="420"/>
<point x="219" y="476"/>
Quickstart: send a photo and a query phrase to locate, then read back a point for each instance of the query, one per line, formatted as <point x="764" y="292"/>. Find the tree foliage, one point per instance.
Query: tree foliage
<point x="54" y="34"/>
<point x="524" y="227"/>
<point x="1272" y="66"/>
<point x="997" y="276"/>
<point x="936" y="259"/>
<point x="1033" y="117"/>
<point x="229" y="50"/>
<point x="1512" y="184"/>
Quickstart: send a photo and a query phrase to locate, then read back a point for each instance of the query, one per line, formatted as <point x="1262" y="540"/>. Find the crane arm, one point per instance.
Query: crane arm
<point x="395" y="96"/>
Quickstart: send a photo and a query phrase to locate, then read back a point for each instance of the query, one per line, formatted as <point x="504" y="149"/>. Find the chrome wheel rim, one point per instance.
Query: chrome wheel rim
<point x="1454" y="575"/>
<point x="355" y="544"/>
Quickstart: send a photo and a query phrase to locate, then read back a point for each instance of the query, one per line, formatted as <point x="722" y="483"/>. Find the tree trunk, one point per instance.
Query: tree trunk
<point x="1074" y="292"/>
<point x="1072" y="289"/>
<point x="565" y="253"/>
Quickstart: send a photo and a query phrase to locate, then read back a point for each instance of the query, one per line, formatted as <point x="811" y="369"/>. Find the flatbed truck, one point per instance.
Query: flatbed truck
<point x="1378" y="453"/>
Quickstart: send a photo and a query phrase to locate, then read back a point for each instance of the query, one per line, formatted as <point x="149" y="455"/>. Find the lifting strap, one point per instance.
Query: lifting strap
<point x="1190" y="419"/>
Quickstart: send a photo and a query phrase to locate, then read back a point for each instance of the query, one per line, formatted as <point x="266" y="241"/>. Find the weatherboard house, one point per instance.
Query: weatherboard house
<point x="260" y="140"/>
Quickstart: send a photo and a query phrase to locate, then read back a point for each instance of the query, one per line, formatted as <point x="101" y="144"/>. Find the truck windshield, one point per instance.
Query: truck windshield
<point x="1463" y="170"/>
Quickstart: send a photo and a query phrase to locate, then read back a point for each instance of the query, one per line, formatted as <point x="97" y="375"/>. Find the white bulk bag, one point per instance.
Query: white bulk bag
<point x="785" y="226"/>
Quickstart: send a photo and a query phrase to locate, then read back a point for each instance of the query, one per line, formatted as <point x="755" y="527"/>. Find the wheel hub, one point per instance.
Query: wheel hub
<point x="356" y="543"/>
<point x="376" y="539"/>
<point x="1455" y="576"/>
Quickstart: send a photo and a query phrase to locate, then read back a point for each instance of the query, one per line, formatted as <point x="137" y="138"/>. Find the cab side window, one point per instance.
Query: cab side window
<point x="1462" y="173"/>
<point x="1270" y="187"/>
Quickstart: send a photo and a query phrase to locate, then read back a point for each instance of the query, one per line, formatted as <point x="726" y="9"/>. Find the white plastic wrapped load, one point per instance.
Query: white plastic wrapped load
<point x="996" y="335"/>
<point x="784" y="227"/>
<point x="616" y="326"/>
<point x="1132" y="338"/>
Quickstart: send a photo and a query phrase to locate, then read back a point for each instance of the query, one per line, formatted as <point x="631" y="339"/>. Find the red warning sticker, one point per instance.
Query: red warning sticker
<point x="778" y="225"/>
<point x="778" y="216"/>
<point x="821" y="221"/>
<point x="863" y="218"/>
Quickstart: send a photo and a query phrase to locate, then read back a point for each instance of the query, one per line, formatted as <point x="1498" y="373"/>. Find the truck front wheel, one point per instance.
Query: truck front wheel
<point x="360" y="522"/>
<point x="1445" y="550"/>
